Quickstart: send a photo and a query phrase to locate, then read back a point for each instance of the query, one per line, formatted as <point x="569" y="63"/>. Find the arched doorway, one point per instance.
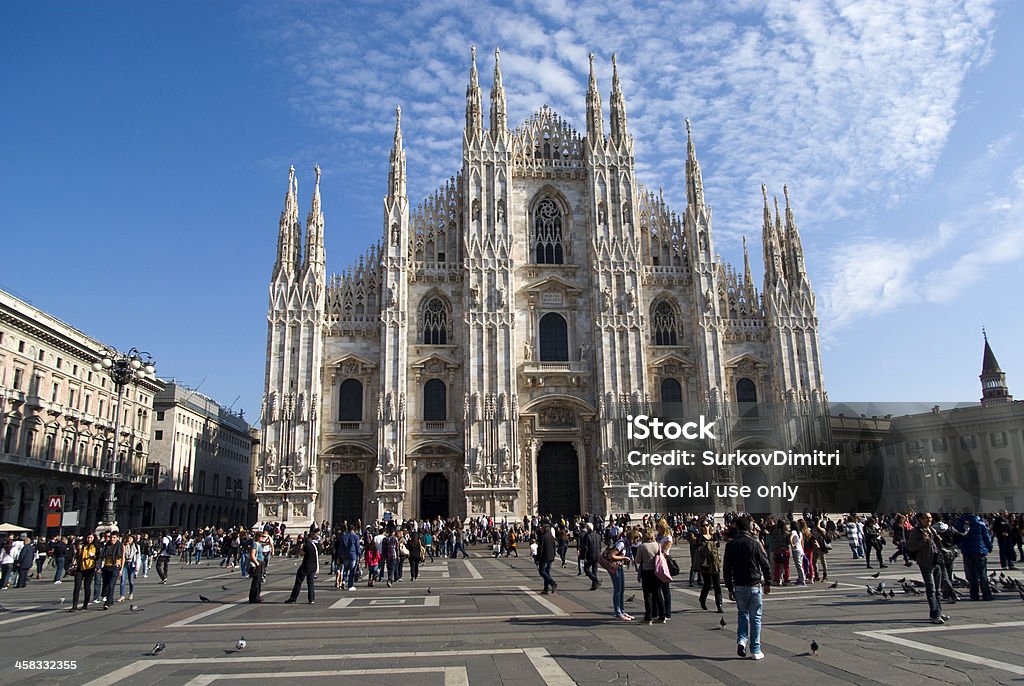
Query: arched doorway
<point x="558" y="480"/>
<point x="680" y="477"/>
<point x="755" y="504"/>
<point x="348" y="499"/>
<point x="434" y="496"/>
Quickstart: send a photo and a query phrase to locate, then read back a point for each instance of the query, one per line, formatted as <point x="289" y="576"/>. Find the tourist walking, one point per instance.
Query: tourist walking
<point x="747" y="576"/>
<point x="545" y="557"/>
<point x="83" y="567"/>
<point x="709" y="562"/>
<point x="975" y="544"/>
<point x="308" y="569"/>
<point x="646" y="559"/>
<point x="923" y="547"/>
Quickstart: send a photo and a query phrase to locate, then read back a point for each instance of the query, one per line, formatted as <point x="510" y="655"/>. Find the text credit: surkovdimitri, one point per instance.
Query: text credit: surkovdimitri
<point x="642" y="428"/>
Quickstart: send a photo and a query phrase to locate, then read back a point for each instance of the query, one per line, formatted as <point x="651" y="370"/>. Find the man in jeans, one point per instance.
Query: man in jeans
<point x="545" y="556"/>
<point x="348" y="553"/>
<point x="746" y="573"/>
<point x="590" y="549"/>
<point x="923" y="546"/>
<point x="975" y="543"/>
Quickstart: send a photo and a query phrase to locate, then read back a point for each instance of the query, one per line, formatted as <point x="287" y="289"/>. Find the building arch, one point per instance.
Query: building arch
<point x="434" y="319"/>
<point x="550" y="227"/>
<point x="746" y="397"/>
<point x="666" y="321"/>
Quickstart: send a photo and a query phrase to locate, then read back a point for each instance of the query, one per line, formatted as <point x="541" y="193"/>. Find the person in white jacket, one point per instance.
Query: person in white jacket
<point x="855" y="537"/>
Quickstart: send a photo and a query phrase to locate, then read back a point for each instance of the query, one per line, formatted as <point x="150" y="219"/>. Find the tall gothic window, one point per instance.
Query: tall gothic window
<point x="547" y="233"/>
<point x="554" y="338"/>
<point x="746" y="397"/>
<point x="664" y="322"/>
<point x="671" y="399"/>
<point x="350" y="401"/>
<point x="435" y="401"/>
<point x="435" y="323"/>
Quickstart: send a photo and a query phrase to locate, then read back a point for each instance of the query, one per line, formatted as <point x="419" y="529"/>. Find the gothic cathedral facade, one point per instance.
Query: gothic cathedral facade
<point x="482" y="356"/>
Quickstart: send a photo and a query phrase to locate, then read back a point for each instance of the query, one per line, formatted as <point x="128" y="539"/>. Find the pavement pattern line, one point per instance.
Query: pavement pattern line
<point x="453" y="676"/>
<point x="473" y="571"/>
<point x="889" y="637"/>
<point x="553" y="610"/>
<point x="553" y="674"/>
<point x="28" y="614"/>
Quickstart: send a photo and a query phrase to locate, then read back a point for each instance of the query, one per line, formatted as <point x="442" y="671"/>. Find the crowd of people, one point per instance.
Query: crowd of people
<point x="748" y="555"/>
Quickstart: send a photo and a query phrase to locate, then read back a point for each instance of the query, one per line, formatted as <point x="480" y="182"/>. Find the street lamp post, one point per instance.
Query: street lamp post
<point x="123" y="369"/>
<point x="929" y="471"/>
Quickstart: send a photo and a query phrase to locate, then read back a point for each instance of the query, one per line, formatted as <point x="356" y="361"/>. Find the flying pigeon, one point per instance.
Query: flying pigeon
<point x="225" y="588"/>
<point x="834" y="584"/>
<point x="814" y="647"/>
<point x="241" y="644"/>
<point x="204" y="599"/>
<point x="875" y="575"/>
<point x="158" y="648"/>
<point x="135" y="608"/>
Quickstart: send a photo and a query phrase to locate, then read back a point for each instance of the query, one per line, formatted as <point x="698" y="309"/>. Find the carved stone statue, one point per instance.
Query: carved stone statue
<point x="584" y="349"/>
<point x="528" y="351"/>
<point x="389" y="459"/>
<point x="389" y="408"/>
<point x="499" y="298"/>
<point x="300" y="458"/>
<point x="606" y="299"/>
<point x="503" y="458"/>
<point x="271" y="458"/>
<point x="474" y="297"/>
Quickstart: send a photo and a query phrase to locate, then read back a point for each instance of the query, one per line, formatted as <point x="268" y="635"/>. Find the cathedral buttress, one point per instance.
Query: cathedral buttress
<point x="391" y="401"/>
<point x="492" y="479"/>
<point x="287" y="466"/>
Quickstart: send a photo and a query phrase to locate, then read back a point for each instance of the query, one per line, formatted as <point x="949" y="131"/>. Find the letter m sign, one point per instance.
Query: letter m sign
<point x="55" y="503"/>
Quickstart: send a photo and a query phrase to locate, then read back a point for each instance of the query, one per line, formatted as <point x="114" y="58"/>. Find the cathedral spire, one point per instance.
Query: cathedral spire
<point x="289" y="234"/>
<point x="773" y="270"/>
<point x="595" y="122"/>
<point x="474" y="102"/>
<point x="694" y="181"/>
<point x="746" y="263"/>
<point x="620" y="132"/>
<point x="795" y="246"/>
<point x="993" y="381"/>
<point x="499" y="116"/>
<point x="396" y="172"/>
<point x="315" y="229"/>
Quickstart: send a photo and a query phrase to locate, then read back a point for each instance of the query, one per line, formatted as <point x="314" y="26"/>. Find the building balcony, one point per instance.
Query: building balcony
<point x="571" y="373"/>
<point x="436" y="427"/>
<point x="352" y="427"/>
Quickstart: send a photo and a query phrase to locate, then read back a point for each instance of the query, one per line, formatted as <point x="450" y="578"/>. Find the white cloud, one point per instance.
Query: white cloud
<point x="851" y="103"/>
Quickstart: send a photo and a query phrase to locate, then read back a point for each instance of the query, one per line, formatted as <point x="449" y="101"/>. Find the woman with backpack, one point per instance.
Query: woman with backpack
<point x="614" y="560"/>
<point x="709" y="562"/>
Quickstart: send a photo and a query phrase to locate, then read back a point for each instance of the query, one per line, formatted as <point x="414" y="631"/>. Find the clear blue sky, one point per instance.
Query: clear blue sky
<point x="146" y="148"/>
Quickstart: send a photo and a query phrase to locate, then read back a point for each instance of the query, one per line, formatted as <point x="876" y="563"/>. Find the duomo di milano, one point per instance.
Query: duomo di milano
<point x="482" y="356"/>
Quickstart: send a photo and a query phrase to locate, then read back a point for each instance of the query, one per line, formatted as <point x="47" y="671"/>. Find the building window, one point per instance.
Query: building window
<point x="1005" y="474"/>
<point x="56" y="393"/>
<point x="664" y="321"/>
<point x="547" y="233"/>
<point x="21" y="346"/>
<point x="160" y="415"/>
<point x="60" y="362"/>
<point x="554" y="338"/>
<point x="967" y="442"/>
<point x="746" y="397"/>
<point x="19" y="374"/>
<point x="158" y="435"/>
<point x="71" y="397"/>
<point x="671" y="399"/>
<point x="971" y="469"/>
<point x="435" y="401"/>
<point x="435" y="323"/>
<point x="998" y="439"/>
<point x="938" y="445"/>
<point x="350" y="401"/>
<point x="42" y="354"/>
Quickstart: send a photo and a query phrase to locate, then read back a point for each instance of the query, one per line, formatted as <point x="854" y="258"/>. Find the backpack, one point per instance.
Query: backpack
<point x="170" y="548"/>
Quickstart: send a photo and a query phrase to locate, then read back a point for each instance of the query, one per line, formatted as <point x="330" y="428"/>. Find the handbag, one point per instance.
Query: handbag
<point x="673" y="566"/>
<point x="661" y="568"/>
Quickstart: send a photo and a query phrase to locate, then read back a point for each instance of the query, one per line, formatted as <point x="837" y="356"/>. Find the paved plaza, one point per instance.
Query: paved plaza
<point x="483" y="621"/>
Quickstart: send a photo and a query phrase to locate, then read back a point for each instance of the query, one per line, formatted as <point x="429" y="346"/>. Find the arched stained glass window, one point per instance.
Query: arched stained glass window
<point x="435" y="323"/>
<point x="547" y="233"/>
<point x="664" y="324"/>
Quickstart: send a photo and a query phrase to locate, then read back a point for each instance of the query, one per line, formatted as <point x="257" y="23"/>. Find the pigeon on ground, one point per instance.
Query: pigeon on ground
<point x="875" y="575"/>
<point x="892" y="593"/>
<point x="204" y="599"/>
<point x="870" y="592"/>
<point x="721" y="623"/>
<point x="3" y="609"/>
<point x="428" y="590"/>
<point x="241" y="644"/>
<point x="631" y="599"/>
<point x="880" y="588"/>
<point x="61" y="601"/>
<point x="834" y="584"/>
<point x="814" y="647"/>
<point x="135" y="608"/>
<point x="158" y="648"/>
<point x="992" y="575"/>
<point x="904" y="580"/>
<point x="225" y="588"/>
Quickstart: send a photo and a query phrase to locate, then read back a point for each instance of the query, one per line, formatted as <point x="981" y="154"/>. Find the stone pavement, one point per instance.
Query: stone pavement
<point x="483" y="621"/>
